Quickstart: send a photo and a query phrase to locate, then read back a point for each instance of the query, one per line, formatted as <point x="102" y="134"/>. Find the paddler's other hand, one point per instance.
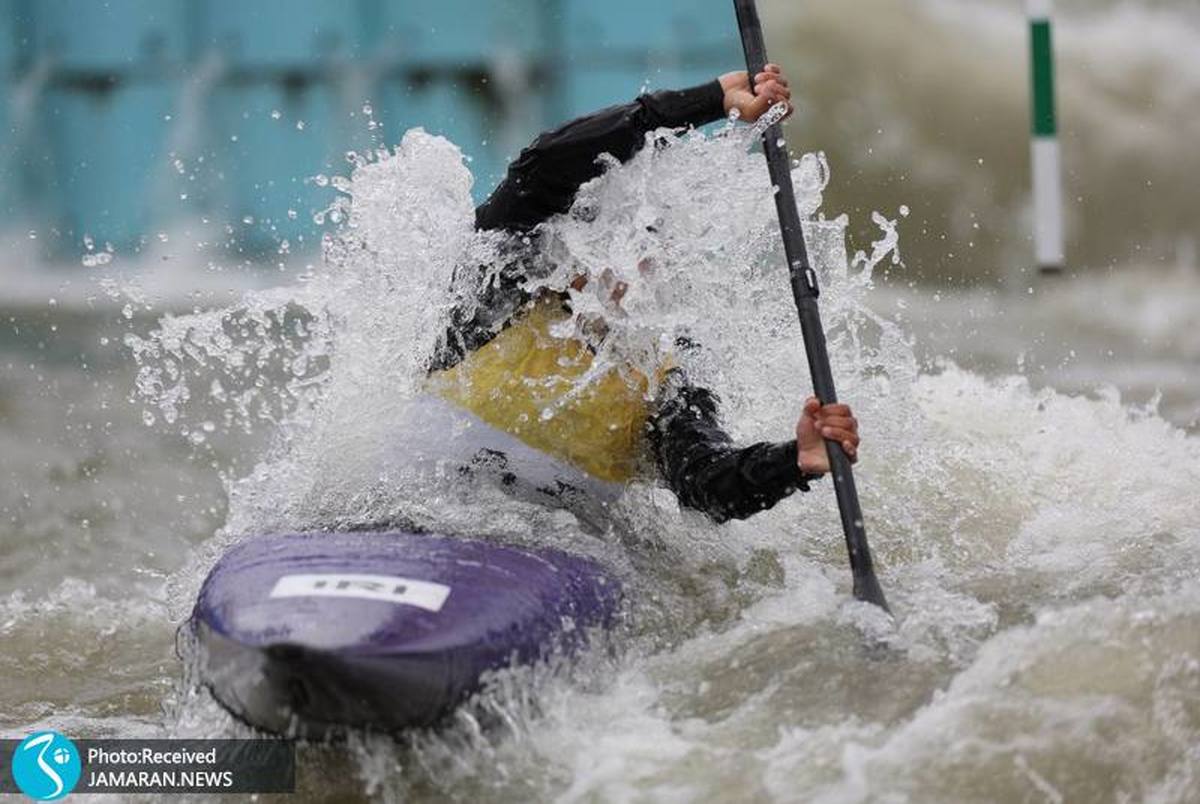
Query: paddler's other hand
<point x="770" y="88"/>
<point x="817" y="423"/>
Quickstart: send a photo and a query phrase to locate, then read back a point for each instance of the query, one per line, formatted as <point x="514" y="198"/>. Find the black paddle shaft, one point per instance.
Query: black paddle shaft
<point x="805" y="292"/>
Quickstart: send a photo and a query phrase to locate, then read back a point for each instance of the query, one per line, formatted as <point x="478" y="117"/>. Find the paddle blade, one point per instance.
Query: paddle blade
<point x="867" y="589"/>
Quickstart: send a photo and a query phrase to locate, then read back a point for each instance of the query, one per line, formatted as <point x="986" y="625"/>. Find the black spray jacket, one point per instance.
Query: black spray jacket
<point x="694" y="454"/>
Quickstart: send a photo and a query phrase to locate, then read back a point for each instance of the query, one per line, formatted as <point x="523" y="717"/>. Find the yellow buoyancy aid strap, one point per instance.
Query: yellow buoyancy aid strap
<point x="527" y="383"/>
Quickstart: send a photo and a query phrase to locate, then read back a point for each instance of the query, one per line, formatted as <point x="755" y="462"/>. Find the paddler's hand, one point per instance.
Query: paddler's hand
<point x="770" y="88"/>
<point x="817" y="423"/>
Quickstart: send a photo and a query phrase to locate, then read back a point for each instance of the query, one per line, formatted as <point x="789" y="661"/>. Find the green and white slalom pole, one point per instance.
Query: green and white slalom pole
<point x="1047" y="171"/>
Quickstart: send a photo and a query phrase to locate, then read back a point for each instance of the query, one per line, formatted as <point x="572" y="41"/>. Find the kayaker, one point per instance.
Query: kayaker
<point x="498" y="366"/>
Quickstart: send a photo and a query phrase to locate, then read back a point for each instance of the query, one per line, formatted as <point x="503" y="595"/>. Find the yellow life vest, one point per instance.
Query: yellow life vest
<point x="525" y="382"/>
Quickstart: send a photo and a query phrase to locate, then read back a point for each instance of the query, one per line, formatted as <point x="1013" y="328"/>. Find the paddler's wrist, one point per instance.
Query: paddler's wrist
<point x="806" y="465"/>
<point x="789" y="456"/>
<point x="689" y="107"/>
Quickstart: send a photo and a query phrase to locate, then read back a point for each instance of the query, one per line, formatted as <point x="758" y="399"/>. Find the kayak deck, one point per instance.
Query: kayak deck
<point x="310" y="633"/>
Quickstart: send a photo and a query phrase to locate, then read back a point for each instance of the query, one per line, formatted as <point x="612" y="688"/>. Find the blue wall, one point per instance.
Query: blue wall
<point x="118" y="118"/>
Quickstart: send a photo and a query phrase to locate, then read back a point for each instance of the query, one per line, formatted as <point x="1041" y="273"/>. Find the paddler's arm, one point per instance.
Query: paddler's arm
<point x="543" y="180"/>
<point x="708" y="473"/>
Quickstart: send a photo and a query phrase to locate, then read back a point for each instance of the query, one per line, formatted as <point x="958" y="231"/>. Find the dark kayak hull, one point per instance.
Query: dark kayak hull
<point x="308" y="634"/>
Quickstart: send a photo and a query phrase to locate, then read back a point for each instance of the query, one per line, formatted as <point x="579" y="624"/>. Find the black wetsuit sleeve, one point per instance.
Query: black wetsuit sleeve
<point x="543" y="180"/>
<point x="706" y="471"/>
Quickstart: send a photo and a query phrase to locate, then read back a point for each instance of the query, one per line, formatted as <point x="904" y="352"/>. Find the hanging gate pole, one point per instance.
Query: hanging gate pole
<point x="1047" y="172"/>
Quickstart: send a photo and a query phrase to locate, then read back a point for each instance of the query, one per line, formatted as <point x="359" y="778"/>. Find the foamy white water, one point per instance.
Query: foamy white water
<point x="1038" y="547"/>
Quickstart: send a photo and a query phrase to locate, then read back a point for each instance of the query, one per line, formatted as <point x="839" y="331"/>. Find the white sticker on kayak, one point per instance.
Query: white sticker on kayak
<point x="388" y="588"/>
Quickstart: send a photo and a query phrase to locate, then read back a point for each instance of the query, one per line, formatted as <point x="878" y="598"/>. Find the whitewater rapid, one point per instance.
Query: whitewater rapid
<point x="1038" y="547"/>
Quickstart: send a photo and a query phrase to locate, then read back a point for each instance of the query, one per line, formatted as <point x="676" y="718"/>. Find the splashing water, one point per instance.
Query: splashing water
<point x="1035" y="546"/>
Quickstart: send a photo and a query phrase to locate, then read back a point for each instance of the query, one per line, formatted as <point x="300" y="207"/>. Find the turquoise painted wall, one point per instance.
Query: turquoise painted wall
<point x="118" y="118"/>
